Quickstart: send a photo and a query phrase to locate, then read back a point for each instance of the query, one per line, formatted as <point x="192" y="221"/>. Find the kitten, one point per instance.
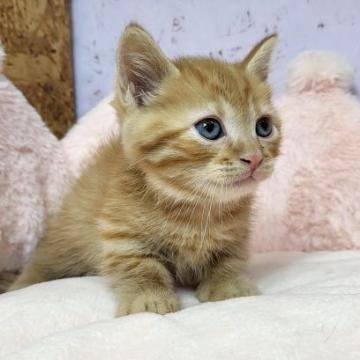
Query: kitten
<point x="169" y="200"/>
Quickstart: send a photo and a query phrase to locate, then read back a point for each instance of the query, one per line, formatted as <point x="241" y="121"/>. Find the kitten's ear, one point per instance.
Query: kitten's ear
<point x="141" y="66"/>
<point x="258" y="60"/>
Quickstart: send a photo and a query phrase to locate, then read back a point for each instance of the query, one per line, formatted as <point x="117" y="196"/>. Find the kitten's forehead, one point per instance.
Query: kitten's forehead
<point x="218" y="80"/>
<point x="214" y="74"/>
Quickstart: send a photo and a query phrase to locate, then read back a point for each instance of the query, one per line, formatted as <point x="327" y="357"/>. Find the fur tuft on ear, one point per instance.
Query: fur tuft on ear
<point x="141" y="66"/>
<point x="319" y="71"/>
<point x="258" y="60"/>
<point x="2" y="56"/>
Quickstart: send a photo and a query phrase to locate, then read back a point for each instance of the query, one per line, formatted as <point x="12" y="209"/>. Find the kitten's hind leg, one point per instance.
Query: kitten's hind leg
<point x="31" y="275"/>
<point x="6" y="279"/>
<point x="54" y="258"/>
<point x="43" y="266"/>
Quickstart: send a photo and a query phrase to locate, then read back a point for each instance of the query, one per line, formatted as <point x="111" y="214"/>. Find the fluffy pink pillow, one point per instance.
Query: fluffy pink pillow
<point x="33" y="175"/>
<point x="312" y="201"/>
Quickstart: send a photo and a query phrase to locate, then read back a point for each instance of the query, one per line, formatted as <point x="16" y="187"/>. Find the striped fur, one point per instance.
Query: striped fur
<point x="156" y="207"/>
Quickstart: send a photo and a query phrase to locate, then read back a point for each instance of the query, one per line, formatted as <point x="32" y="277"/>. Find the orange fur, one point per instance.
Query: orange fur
<point x="160" y="204"/>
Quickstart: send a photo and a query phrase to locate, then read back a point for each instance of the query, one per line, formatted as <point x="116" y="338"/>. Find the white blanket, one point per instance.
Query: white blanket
<point x="310" y="309"/>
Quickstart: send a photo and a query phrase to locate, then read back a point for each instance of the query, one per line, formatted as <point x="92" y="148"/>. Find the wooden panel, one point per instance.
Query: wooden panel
<point x="36" y="37"/>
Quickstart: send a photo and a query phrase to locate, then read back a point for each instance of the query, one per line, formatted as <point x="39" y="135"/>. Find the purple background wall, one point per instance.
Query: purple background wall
<point x="223" y="28"/>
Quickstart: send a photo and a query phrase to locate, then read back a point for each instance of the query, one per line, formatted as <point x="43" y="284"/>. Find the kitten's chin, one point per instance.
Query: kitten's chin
<point x="233" y="190"/>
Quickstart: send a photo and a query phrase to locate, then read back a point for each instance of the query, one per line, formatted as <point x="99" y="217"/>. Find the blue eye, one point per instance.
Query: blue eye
<point x="209" y="128"/>
<point x="264" y="127"/>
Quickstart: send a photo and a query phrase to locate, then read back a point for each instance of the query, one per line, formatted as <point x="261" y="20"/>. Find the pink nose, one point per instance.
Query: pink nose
<point x="253" y="160"/>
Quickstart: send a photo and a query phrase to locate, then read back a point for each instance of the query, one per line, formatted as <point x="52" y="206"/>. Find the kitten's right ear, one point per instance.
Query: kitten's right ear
<point x="141" y="66"/>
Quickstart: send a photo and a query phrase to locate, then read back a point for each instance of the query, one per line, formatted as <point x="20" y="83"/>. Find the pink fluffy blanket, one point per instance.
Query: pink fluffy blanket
<point x="33" y="175"/>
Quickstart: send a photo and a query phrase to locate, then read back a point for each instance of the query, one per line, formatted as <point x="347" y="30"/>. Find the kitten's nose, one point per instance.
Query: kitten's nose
<point x="254" y="160"/>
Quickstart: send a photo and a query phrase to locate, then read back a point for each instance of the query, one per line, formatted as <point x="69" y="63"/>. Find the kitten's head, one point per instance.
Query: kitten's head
<point x="196" y="127"/>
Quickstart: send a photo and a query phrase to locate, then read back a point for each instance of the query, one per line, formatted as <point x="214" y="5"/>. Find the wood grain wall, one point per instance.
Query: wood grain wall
<point x="36" y="35"/>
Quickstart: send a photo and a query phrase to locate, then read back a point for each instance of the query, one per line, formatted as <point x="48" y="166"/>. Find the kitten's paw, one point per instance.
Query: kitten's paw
<point x="211" y="290"/>
<point x="159" y="302"/>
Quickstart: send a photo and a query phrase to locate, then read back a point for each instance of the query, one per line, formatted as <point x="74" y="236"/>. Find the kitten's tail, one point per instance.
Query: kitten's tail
<point x="319" y="71"/>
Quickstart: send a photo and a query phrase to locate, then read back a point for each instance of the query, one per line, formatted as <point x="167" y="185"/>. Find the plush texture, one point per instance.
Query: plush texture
<point x="33" y="175"/>
<point x="312" y="201"/>
<point x="310" y="309"/>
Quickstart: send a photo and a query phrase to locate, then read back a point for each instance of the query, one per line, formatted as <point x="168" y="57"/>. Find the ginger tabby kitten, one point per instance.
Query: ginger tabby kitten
<point x="169" y="200"/>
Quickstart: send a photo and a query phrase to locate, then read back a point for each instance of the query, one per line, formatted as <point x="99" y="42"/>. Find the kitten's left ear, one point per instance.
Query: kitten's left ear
<point x="258" y="60"/>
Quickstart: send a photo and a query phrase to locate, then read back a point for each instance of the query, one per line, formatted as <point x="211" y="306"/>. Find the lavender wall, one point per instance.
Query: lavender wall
<point x="223" y="28"/>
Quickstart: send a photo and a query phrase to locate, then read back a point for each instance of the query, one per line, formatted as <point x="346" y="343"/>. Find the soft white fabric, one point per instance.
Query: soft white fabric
<point x="310" y="309"/>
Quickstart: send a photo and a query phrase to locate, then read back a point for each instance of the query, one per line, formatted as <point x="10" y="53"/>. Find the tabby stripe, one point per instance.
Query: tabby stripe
<point x="161" y="141"/>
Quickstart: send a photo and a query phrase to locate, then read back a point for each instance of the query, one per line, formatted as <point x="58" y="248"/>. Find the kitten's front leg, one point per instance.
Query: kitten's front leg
<point x="226" y="280"/>
<point x="140" y="281"/>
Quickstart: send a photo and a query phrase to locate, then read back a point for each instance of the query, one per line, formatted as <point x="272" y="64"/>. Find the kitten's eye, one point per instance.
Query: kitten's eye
<point x="209" y="128"/>
<point x="264" y="126"/>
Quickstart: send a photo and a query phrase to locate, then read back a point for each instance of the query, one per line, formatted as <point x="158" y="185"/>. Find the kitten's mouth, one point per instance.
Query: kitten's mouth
<point x="252" y="177"/>
<point x="237" y="181"/>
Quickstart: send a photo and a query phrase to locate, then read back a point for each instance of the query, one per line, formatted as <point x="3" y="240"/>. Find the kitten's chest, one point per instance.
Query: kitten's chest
<point x="192" y="242"/>
<point x="191" y="251"/>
